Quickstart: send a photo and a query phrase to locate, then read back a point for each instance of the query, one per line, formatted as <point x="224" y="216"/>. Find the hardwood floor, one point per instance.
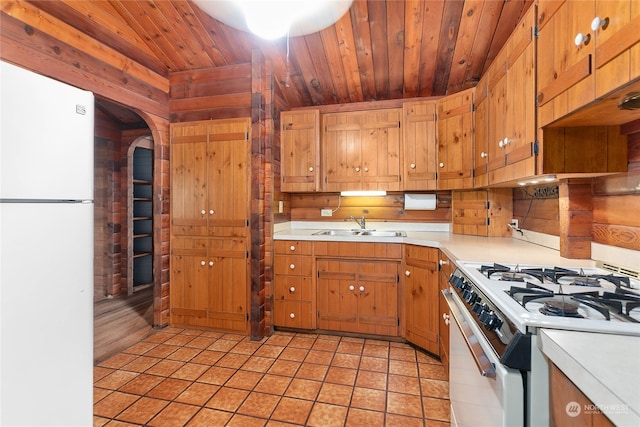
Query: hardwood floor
<point x="120" y="322"/>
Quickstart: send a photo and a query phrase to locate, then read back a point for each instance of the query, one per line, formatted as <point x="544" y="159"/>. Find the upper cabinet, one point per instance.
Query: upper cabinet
<point x="419" y="145"/>
<point x="481" y="134"/>
<point x="512" y="109"/>
<point x="586" y="50"/>
<point x="455" y="140"/>
<point x="361" y="150"/>
<point x="300" y="150"/>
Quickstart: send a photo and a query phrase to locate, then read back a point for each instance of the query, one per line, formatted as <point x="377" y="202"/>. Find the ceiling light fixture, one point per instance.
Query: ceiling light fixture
<point x="273" y="19"/>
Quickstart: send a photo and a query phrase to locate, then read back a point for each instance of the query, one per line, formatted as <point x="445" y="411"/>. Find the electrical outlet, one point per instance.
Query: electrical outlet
<point x="514" y="223"/>
<point x="281" y="206"/>
<point x="326" y="212"/>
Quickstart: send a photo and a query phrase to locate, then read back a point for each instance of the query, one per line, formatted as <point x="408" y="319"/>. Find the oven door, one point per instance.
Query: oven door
<point x="482" y="391"/>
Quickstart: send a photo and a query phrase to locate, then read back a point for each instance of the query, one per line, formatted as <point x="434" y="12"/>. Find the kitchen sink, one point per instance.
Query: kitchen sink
<point x="373" y="233"/>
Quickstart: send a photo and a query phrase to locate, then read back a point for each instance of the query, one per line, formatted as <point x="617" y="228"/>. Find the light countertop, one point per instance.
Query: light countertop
<point x="457" y="246"/>
<point x="605" y="367"/>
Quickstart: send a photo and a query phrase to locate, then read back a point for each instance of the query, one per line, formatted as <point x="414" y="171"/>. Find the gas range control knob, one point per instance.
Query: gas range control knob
<point x="485" y="316"/>
<point x="478" y="307"/>
<point x="469" y="296"/>
<point x="493" y="322"/>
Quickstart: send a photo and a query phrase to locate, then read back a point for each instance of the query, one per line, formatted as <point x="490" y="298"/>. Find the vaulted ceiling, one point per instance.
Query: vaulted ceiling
<point x="378" y="50"/>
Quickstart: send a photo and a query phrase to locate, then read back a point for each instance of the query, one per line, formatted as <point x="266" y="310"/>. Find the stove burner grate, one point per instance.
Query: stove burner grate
<point x="560" y="307"/>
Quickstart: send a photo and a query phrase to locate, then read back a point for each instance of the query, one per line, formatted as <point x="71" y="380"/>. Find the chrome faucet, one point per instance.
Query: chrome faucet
<point x="361" y="222"/>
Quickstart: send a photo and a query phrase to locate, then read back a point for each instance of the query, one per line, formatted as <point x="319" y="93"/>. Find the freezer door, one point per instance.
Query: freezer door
<point x="46" y="314"/>
<point x="46" y="137"/>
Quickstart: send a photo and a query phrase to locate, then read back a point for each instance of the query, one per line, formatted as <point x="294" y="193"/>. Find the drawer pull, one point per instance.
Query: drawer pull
<point x="202" y="212"/>
<point x="361" y="288"/>
<point x="407" y="273"/>
<point x="598" y="23"/>
<point x="310" y="168"/>
<point x="292" y="289"/>
<point x="292" y="315"/>
<point x="292" y="248"/>
<point x="211" y="212"/>
<point x="443" y="262"/>
<point x="352" y="288"/>
<point x="203" y="262"/>
<point x="292" y="266"/>
<point x="441" y="165"/>
<point x="210" y="263"/>
<point x="412" y="165"/>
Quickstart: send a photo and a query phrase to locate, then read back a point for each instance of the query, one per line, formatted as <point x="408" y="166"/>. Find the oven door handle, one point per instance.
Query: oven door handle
<point x="486" y="368"/>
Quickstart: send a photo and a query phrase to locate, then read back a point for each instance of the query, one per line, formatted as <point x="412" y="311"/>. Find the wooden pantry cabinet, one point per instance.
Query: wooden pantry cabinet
<point x="300" y="151"/>
<point x="361" y="150"/>
<point x="209" y="224"/>
<point x="455" y="140"/>
<point x="586" y="50"/>
<point x="294" y="287"/>
<point x="419" y="145"/>
<point x="421" y="300"/>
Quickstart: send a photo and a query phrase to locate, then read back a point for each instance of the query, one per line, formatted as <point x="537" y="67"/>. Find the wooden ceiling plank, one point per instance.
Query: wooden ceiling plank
<point x="332" y="54"/>
<point x="202" y="36"/>
<point x="363" y="44"/>
<point x="379" y="48"/>
<point x="299" y="53"/>
<point x="461" y="62"/>
<point x="413" y="20"/>
<point x="395" y="48"/>
<point x="429" y="51"/>
<point x="129" y="12"/>
<point x="100" y="21"/>
<point x="323" y="73"/>
<point x="446" y="45"/>
<point x="277" y="54"/>
<point x="347" y="47"/>
<point x="62" y="31"/>
<point x="489" y="17"/>
<point x="172" y="32"/>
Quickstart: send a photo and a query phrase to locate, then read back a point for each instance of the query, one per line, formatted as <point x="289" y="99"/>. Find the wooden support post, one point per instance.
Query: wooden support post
<point x="576" y="216"/>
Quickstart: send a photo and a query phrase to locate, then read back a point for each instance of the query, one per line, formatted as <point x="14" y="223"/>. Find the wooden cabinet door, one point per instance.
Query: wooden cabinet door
<point x="228" y="177"/>
<point x="419" y="145"/>
<point x="342" y="163"/>
<point x="481" y="134"/>
<point x="337" y="299"/>
<point x="300" y="151"/>
<point x="497" y="128"/>
<point x="421" y="297"/>
<point x="617" y="44"/>
<point x="565" y="77"/>
<point x="227" y="298"/>
<point x="377" y="291"/>
<point x="455" y="141"/>
<point x="446" y="267"/>
<point x="380" y="149"/>
<point x="188" y="177"/>
<point x="189" y="282"/>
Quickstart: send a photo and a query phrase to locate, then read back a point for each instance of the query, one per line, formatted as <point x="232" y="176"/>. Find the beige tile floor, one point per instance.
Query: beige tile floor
<point x="179" y="377"/>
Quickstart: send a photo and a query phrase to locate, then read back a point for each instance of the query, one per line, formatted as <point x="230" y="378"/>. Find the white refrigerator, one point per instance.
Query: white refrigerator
<point x="46" y="251"/>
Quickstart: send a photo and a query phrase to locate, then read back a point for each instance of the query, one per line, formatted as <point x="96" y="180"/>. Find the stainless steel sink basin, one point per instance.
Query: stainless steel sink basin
<point x="373" y="233"/>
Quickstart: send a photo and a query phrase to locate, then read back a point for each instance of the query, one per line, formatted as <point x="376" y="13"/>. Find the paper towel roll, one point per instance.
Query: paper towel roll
<point x="419" y="202"/>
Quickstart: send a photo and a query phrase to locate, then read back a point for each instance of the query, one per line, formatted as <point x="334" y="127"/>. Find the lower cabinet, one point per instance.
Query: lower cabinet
<point x="357" y="296"/>
<point x="201" y="271"/>
<point x="446" y="267"/>
<point x="294" y="290"/>
<point x="421" y="297"/>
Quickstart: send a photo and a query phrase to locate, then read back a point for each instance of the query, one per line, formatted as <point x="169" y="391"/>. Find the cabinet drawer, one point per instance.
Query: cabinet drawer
<point x="285" y="247"/>
<point x="293" y="314"/>
<point x="422" y="256"/>
<point x="293" y="288"/>
<point x="293" y="265"/>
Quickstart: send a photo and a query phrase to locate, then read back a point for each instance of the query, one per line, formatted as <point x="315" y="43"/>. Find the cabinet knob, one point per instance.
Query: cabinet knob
<point x="445" y="316"/>
<point x="357" y="169"/>
<point x="210" y="263"/>
<point x="443" y="262"/>
<point x="310" y="168"/>
<point x="203" y="212"/>
<point x="483" y="155"/>
<point x="581" y="39"/>
<point x="203" y="262"/>
<point x="292" y="315"/>
<point x="441" y="165"/>
<point x="211" y="212"/>
<point x="412" y="165"/>
<point x="361" y="288"/>
<point x="407" y="273"/>
<point x="352" y="288"/>
<point x="366" y="169"/>
<point x="292" y="248"/>
<point x="292" y="289"/>
<point x="292" y="266"/>
<point x="501" y="143"/>
<point x="598" y="23"/>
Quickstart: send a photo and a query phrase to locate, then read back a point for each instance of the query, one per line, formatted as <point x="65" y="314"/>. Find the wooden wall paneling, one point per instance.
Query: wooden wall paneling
<point x="576" y="216"/>
<point x="469" y="212"/>
<point x="536" y="213"/>
<point x="306" y="207"/>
